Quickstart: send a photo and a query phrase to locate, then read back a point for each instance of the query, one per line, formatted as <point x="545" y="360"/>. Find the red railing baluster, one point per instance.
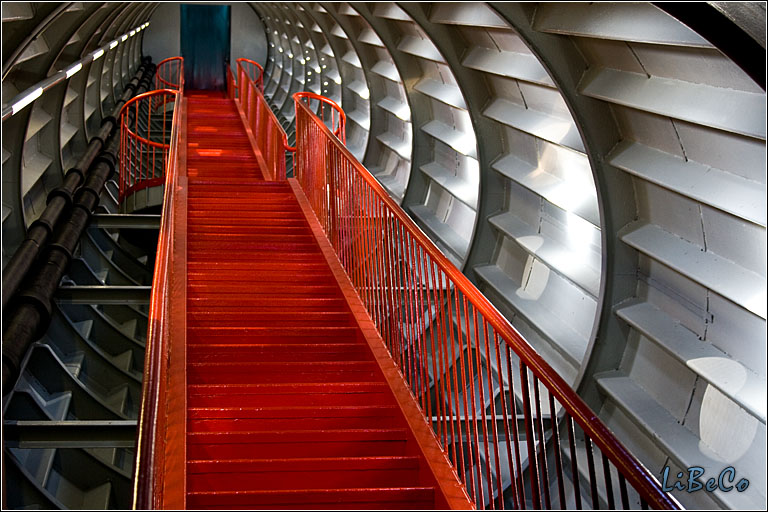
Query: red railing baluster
<point x="591" y="472"/>
<point x="542" y="447"/>
<point x="454" y="358"/>
<point x="507" y="439"/>
<point x="170" y="74"/>
<point x="515" y="432"/>
<point x="410" y="322"/>
<point x="422" y="318"/>
<point x="497" y="462"/>
<point x="449" y="401"/>
<point x="574" y="461"/>
<point x="471" y="381"/>
<point x="141" y="150"/>
<point x="421" y="306"/>
<point x="623" y="492"/>
<point x="465" y="379"/>
<point x="608" y="483"/>
<point x="530" y="439"/>
<point x="247" y="90"/>
<point x="144" y="150"/>
<point x="557" y="447"/>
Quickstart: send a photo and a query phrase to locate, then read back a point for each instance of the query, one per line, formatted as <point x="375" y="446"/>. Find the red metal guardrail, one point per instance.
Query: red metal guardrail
<point x="271" y="139"/>
<point x="439" y="328"/>
<point x="145" y="139"/>
<point x="170" y="74"/>
<point x="252" y="70"/>
<point x="159" y="422"/>
<point x="327" y="110"/>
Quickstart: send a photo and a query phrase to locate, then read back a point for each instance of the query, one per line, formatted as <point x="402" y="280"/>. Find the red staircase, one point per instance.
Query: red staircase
<point x="287" y="406"/>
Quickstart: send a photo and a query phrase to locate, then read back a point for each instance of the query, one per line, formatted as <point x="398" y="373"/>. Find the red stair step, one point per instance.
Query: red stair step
<point x="286" y="406"/>
<point x="320" y="473"/>
<point x="409" y="498"/>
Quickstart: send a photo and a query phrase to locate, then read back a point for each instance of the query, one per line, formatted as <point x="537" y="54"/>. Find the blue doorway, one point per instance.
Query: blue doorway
<point x="205" y="41"/>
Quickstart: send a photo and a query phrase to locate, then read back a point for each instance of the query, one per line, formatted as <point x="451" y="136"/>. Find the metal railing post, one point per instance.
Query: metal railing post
<point x="394" y="252"/>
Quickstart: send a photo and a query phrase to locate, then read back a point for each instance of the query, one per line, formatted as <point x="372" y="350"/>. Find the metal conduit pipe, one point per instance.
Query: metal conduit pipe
<point x="60" y="199"/>
<point x="31" y="315"/>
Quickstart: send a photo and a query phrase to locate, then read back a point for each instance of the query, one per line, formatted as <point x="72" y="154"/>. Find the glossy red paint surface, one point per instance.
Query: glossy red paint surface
<point x="159" y="466"/>
<point x="304" y="375"/>
<point x="286" y="405"/>
<point x="467" y="368"/>
<point x="170" y="74"/>
<point x="145" y="139"/>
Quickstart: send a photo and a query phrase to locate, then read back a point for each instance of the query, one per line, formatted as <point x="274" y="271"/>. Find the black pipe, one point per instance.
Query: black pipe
<point x="60" y="199"/>
<point x="31" y="314"/>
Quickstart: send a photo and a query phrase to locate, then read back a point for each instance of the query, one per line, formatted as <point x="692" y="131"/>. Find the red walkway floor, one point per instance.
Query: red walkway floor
<point x="287" y="407"/>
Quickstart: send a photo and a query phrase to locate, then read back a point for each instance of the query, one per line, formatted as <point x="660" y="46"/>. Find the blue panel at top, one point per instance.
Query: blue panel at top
<point x="205" y="39"/>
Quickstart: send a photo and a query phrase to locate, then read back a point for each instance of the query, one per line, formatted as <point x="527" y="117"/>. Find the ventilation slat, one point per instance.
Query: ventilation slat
<point x="445" y="93"/>
<point x="334" y="75"/>
<point x="396" y="107"/>
<point x="616" y="21"/>
<point x="396" y="144"/>
<point x="673" y="439"/>
<point x="725" y="109"/>
<point x="359" y="88"/>
<point x="466" y="13"/>
<point x="722" y="276"/>
<point x="720" y="189"/>
<point x="544" y="126"/>
<point x="36" y="48"/>
<point x="386" y="70"/>
<point x="351" y="58"/>
<point x="70" y="96"/>
<point x="66" y="133"/>
<point x="445" y="235"/>
<point x="569" y="343"/>
<point x="737" y="382"/>
<point x="463" y="143"/>
<point x="17" y="11"/>
<point x="389" y="182"/>
<point x="390" y="11"/>
<point x="550" y="187"/>
<point x="37" y="121"/>
<point x="420" y="48"/>
<point x="509" y="64"/>
<point x="34" y="167"/>
<point x="360" y="118"/>
<point x="338" y="32"/>
<point x="463" y="190"/>
<point x="368" y="36"/>
<point x="582" y="269"/>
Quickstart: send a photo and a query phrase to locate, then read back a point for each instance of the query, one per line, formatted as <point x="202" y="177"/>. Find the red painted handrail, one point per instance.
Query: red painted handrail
<point x="334" y="116"/>
<point x="271" y="139"/>
<point x="435" y="321"/>
<point x="170" y="74"/>
<point x="232" y="92"/>
<point x="166" y="328"/>
<point x="253" y="70"/>
<point x="145" y="140"/>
